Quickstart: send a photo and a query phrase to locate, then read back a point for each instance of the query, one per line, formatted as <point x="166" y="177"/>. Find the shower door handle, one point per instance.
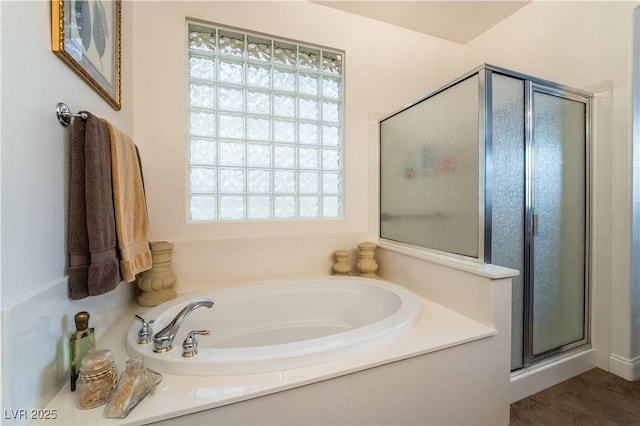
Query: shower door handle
<point x="534" y="224"/>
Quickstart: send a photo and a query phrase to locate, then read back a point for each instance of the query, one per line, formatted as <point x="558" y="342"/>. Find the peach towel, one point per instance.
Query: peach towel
<point x="132" y="222"/>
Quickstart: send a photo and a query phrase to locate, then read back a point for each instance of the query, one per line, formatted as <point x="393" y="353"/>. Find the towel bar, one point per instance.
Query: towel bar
<point x="64" y="114"/>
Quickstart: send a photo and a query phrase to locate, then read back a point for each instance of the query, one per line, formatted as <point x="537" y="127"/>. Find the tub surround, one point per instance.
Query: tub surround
<point x="438" y="329"/>
<point x="438" y="372"/>
<point x="458" y="285"/>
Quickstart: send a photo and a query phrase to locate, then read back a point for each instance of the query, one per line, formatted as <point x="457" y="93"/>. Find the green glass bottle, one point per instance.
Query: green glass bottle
<point x="81" y="342"/>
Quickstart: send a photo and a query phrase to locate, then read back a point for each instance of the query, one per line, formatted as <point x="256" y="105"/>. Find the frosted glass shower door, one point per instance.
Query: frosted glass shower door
<point x="494" y="167"/>
<point x="557" y="223"/>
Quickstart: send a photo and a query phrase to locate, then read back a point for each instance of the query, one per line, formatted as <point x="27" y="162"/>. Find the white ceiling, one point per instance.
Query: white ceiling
<point x="457" y="21"/>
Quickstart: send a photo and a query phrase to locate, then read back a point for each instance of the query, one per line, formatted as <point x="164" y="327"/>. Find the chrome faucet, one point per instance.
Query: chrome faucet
<point x="163" y="339"/>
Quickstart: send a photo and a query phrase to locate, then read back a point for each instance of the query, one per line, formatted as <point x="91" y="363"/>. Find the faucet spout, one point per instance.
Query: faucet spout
<point x="163" y="339"/>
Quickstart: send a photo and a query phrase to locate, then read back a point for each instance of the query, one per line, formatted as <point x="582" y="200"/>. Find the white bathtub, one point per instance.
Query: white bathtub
<point x="279" y="325"/>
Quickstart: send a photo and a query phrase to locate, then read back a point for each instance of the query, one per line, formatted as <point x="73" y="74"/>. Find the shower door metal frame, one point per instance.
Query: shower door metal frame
<point x="485" y="216"/>
<point x="532" y="84"/>
<point x="530" y="219"/>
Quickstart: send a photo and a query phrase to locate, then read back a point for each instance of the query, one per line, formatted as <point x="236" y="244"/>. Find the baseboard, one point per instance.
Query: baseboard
<point x="524" y="384"/>
<point x="628" y="369"/>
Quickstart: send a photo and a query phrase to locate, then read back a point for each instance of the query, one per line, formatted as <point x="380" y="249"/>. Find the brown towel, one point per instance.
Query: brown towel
<point x="132" y="223"/>
<point x="93" y="262"/>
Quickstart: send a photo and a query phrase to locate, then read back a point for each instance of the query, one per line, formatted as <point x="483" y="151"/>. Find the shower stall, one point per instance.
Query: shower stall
<point x="494" y="167"/>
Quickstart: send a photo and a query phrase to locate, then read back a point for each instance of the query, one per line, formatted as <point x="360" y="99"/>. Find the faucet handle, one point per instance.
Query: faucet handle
<point x="190" y="344"/>
<point x="145" y="332"/>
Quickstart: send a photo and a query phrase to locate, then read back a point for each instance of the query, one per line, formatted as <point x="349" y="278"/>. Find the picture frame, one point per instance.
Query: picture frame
<point x="86" y="35"/>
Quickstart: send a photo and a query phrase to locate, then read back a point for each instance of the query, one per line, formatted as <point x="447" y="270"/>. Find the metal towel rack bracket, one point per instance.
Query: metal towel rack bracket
<point x="64" y="114"/>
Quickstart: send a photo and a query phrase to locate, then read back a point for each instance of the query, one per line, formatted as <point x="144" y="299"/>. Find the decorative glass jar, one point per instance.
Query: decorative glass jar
<point x="134" y="384"/>
<point x="97" y="379"/>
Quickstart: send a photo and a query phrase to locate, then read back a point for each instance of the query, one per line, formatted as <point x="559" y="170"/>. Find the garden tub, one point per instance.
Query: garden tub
<point x="277" y="325"/>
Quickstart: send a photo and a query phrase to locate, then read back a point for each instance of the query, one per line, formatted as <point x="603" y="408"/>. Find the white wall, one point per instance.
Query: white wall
<point x="34" y="147"/>
<point x="36" y="313"/>
<point x="386" y="67"/>
<point x="588" y="45"/>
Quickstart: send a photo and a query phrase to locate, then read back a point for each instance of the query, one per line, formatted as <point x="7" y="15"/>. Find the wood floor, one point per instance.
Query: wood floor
<point x="592" y="398"/>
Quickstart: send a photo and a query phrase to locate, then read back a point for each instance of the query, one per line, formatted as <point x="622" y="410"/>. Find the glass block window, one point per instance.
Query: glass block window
<point x="265" y="126"/>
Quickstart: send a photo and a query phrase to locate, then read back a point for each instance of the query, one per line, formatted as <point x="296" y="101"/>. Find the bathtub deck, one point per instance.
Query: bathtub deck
<point x="438" y="328"/>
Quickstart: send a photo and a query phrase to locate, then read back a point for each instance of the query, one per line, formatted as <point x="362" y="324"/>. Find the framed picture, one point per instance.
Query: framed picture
<point x="86" y="35"/>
